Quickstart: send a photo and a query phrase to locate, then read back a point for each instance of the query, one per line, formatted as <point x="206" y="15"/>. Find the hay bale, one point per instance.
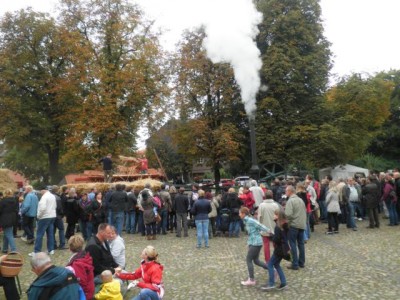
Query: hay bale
<point x="6" y="182"/>
<point x="104" y="186"/>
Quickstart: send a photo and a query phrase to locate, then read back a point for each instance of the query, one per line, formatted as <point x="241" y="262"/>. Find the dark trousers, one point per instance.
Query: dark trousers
<point x="373" y="217"/>
<point x="9" y="287"/>
<point x="27" y="223"/>
<point x="71" y="224"/>
<point x="151" y="229"/>
<point x="141" y="226"/>
<point x="171" y="221"/>
<point x="333" y="221"/>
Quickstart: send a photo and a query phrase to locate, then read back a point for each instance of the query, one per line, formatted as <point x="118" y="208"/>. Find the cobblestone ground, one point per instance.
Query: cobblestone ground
<point x="351" y="265"/>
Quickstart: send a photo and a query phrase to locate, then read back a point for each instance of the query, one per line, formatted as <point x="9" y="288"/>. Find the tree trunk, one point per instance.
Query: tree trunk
<point x="54" y="156"/>
<point x="217" y="177"/>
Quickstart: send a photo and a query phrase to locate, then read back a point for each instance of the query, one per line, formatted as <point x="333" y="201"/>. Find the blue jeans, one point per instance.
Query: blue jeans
<point x="109" y="216"/>
<point x="8" y="239"/>
<point x="162" y="226"/>
<point x="350" y="216"/>
<point x="296" y="239"/>
<point x="202" y="232"/>
<point x="45" y="226"/>
<point x="130" y="221"/>
<point x="307" y="232"/>
<point x="146" y="294"/>
<point x="118" y="220"/>
<point x="86" y="229"/>
<point x="234" y="228"/>
<point x="393" y="217"/>
<point x="275" y="262"/>
<point x="59" y="224"/>
<point x="323" y="210"/>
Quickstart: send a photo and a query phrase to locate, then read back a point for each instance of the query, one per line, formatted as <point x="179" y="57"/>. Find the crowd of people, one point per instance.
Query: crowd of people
<point x="284" y="216"/>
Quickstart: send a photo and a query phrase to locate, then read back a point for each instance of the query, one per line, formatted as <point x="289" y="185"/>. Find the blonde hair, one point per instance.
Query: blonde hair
<point x="300" y="187"/>
<point x="8" y="192"/>
<point x="106" y="276"/>
<point x="172" y="189"/>
<point x="151" y="253"/>
<point x="231" y="190"/>
<point x="333" y="186"/>
<point x="201" y="193"/>
<point x="76" y="242"/>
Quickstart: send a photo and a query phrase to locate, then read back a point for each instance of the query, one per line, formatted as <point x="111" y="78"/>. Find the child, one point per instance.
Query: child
<point x="110" y="289"/>
<point x="150" y="272"/>
<point x="281" y="250"/>
<point x="254" y="242"/>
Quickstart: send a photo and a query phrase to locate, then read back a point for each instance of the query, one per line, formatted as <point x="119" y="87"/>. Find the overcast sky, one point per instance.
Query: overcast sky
<point x="362" y="32"/>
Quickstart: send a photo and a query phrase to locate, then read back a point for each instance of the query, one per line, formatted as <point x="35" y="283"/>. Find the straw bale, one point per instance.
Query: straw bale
<point x="104" y="186"/>
<point x="6" y="182"/>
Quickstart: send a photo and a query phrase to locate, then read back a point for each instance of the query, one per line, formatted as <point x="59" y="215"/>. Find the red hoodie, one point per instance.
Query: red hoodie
<point x="150" y="272"/>
<point x="248" y="199"/>
<point x="82" y="264"/>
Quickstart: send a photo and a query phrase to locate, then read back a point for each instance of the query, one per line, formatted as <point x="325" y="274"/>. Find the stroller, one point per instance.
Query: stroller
<point x="225" y="214"/>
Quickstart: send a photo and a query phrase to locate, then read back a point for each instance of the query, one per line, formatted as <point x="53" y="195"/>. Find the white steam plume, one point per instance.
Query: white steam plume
<point x="231" y="27"/>
<point x="230" y="38"/>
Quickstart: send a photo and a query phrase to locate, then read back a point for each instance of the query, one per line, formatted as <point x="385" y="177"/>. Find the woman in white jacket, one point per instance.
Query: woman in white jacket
<point x="333" y="208"/>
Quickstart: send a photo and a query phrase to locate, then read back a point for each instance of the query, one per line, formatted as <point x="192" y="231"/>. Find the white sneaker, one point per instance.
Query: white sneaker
<point x="51" y="252"/>
<point x="24" y="238"/>
<point x="31" y="254"/>
<point x="248" y="282"/>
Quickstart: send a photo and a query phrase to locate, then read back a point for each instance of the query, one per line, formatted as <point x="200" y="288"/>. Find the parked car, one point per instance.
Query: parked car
<point x="206" y="182"/>
<point x="242" y="180"/>
<point x="226" y="182"/>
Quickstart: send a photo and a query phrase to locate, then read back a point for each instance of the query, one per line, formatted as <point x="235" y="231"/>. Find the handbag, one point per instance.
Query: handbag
<point x="157" y="217"/>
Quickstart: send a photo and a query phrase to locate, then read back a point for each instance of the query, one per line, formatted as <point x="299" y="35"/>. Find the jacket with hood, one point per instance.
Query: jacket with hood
<point x="82" y="264"/>
<point x="109" y="291"/>
<point x="150" y="272"/>
<point x="55" y="283"/>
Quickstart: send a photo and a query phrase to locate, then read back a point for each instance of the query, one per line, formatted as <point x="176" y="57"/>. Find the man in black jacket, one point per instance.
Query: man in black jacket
<point x="118" y="202"/>
<point x="181" y="208"/>
<point x="107" y="167"/>
<point x="59" y="221"/>
<point x="100" y="252"/>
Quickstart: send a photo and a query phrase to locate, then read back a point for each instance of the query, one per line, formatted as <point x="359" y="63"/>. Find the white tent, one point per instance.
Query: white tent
<point x="343" y="171"/>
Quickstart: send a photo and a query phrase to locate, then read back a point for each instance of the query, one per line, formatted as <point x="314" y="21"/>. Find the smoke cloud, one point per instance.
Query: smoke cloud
<point x="230" y="38"/>
<point x="231" y="27"/>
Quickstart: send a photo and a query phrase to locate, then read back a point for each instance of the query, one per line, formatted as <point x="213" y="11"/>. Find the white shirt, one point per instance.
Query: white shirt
<point x="47" y="206"/>
<point x="117" y="247"/>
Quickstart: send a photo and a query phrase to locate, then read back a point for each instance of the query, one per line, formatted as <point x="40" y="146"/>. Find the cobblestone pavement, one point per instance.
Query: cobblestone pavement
<point x="351" y="265"/>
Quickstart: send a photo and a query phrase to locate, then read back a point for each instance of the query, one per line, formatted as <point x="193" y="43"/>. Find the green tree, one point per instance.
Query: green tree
<point x="296" y="63"/>
<point x="210" y="109"/>
<point x="387" y="143"/>
<point x="124" y="84"/>
<point x="359" y="107"/>
<point x="39" y="76"/>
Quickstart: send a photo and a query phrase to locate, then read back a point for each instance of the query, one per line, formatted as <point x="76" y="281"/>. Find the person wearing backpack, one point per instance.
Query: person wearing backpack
<point x="281" y="251"/>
